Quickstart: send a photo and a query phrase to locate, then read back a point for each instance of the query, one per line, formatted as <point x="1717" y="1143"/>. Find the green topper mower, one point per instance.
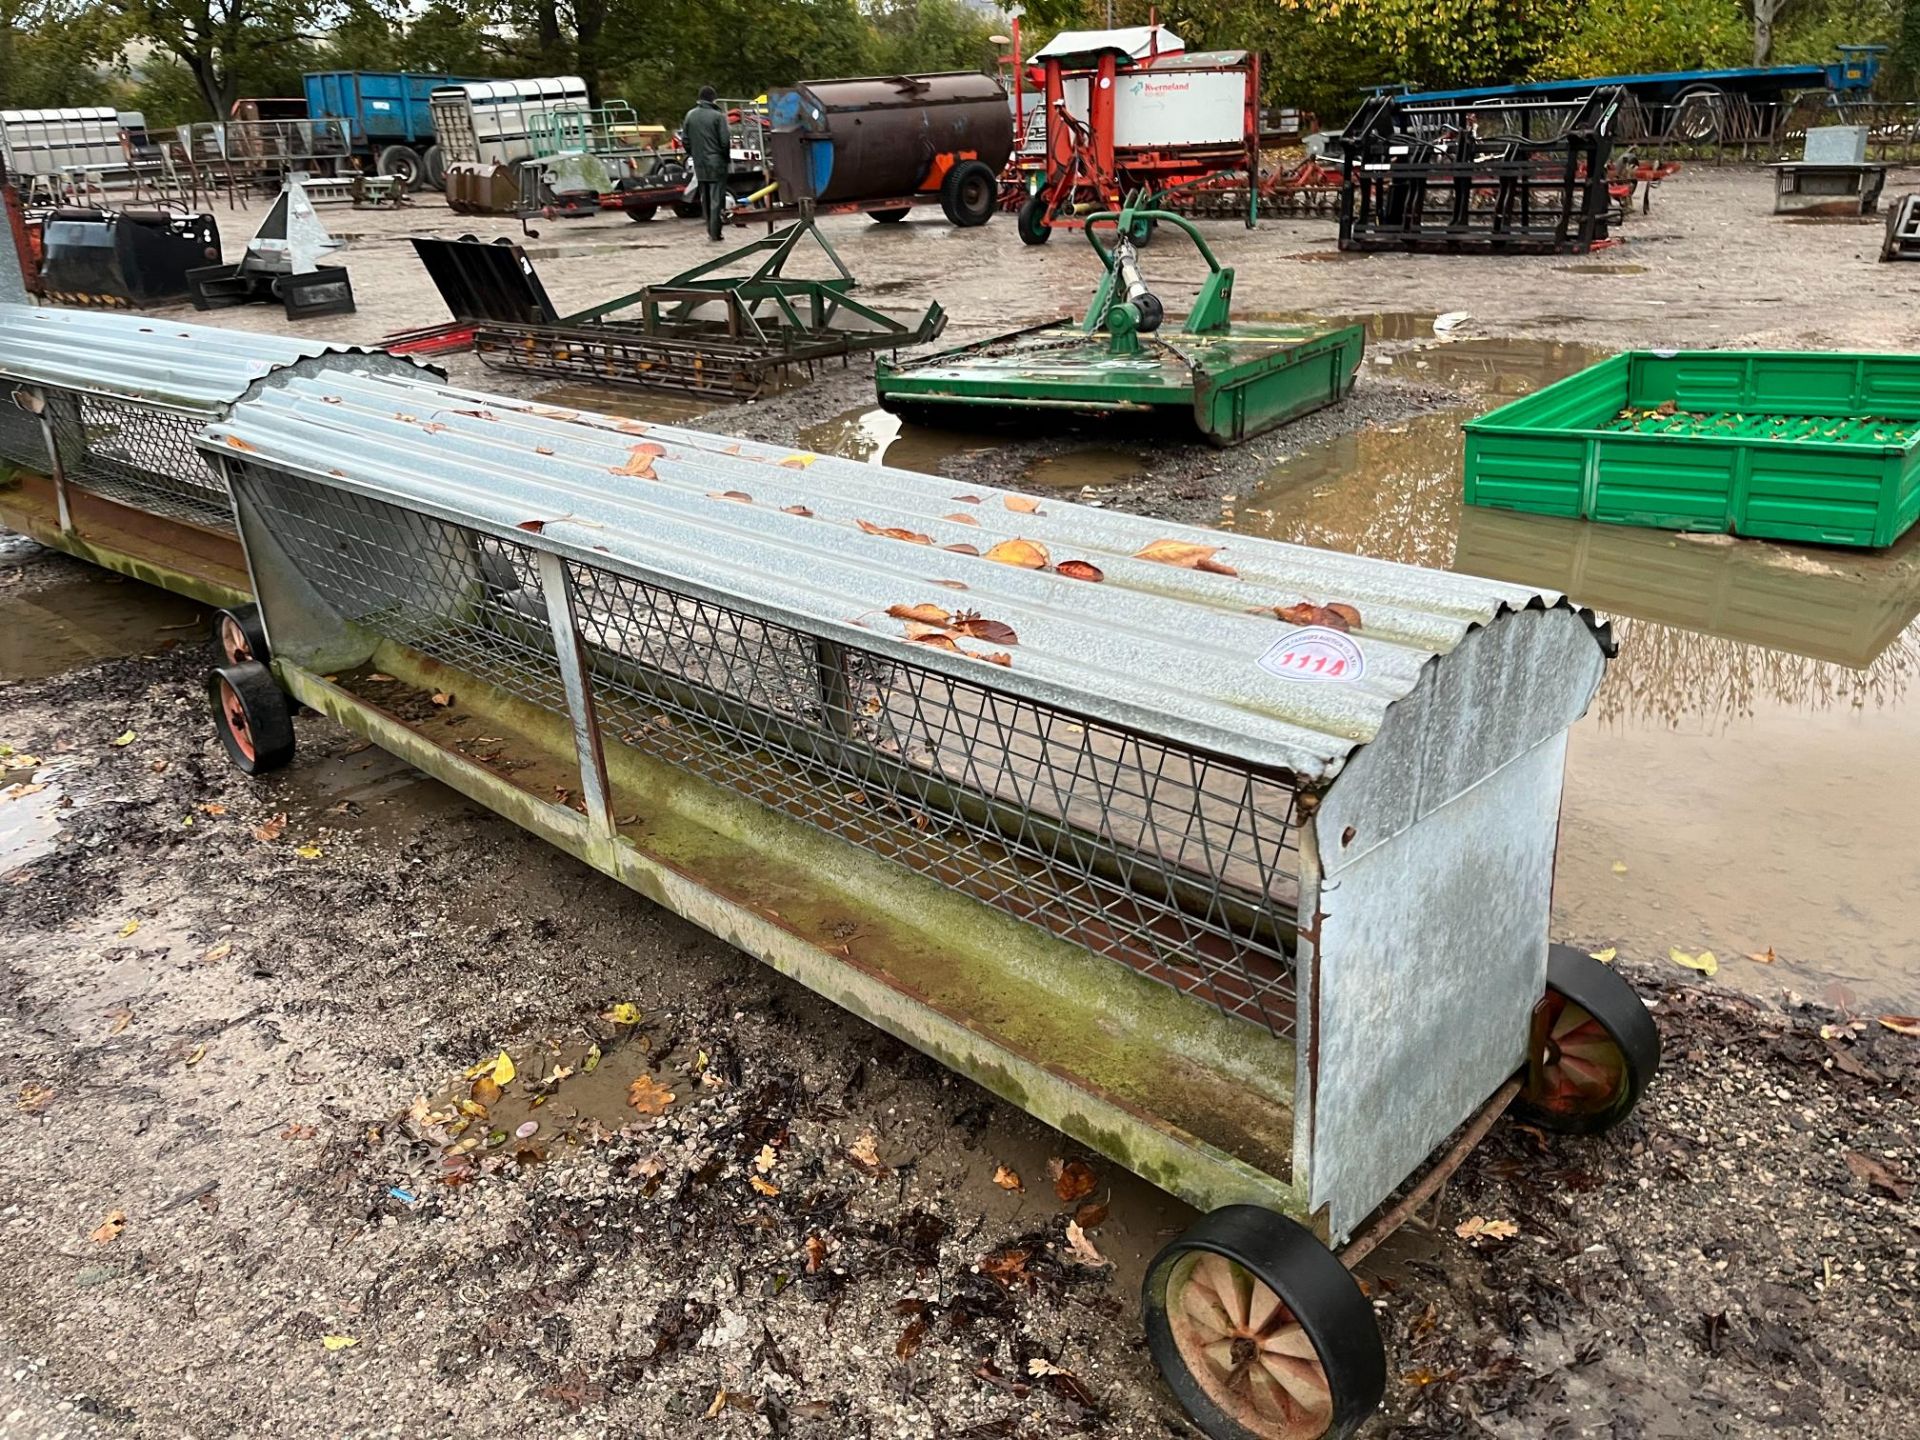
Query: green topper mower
<point x="1127" y="356"/>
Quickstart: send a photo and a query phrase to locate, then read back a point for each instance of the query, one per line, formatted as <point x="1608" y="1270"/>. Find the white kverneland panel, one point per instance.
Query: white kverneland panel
<point x="1180" y="107"/>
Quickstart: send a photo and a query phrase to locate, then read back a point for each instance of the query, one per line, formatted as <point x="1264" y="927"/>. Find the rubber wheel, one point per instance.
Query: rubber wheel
<point x="1599" y="1049"/>
<point x="1260" y="1332"/>
<point x="252" y="716"/>
<point x="1697" y="113"/>
<point x="686" y="209"/>
<point x="641" y="214"/>
<point x="1031" y="222"/>
<point x="434" y="165"/>
<point x="239" y="635"/>
<point x="402" y="163"/>
<point x="890" y="217"/>
<point x="1143" y="233"/>
<point x="969" y="194"/>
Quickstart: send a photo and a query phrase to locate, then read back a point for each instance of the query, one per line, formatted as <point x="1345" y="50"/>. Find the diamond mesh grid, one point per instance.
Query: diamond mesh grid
<point x="141" y="457"/>
<point x="1181" y="865"/>
<point x="21" y="441"/>
<point x="1178" y="864"/>
<point x="464" y="599"/>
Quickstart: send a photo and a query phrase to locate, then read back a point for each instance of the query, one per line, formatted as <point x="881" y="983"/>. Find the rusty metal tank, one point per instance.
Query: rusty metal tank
<point x="878" y="137"/>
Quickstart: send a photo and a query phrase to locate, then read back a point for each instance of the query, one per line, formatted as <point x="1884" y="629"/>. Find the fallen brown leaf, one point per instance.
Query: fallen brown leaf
<point x="1021" y="504"/>
<point x="648" y="1096"/>
<point x="975" y="627"/>
<point x="800" y="510"/>
<point x="109" y="1228"/>
<point x="935" y="615"/>
<point x="443" y="698"/>
<point x="1080" y="570"/>
<point x="1083" y="1248"/>
<point x="1023" y="554"/>
<point x="738" y="496"/>
<point x="959" y="519"/>
<point x="640" y="461"/>
<point x="816" y="1248"/>
<point x="962" y="549"/>
<point x="865" y="1152"/>
<point x="895" y="533"/>
<point x="1072" y="1179"/>
<point x="1877" y="1175"/>
<point x="271" y="830"/>
<point x="1902" y="1024"/>
<point x="298" y="1132"/>
<point x="909" y="1343"/>
<point x="1187" y="555"/>
<point x="1008" y="1179"/>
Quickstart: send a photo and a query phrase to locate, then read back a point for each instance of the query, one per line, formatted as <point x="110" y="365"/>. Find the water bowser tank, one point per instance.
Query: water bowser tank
<point x="876" y="138"/>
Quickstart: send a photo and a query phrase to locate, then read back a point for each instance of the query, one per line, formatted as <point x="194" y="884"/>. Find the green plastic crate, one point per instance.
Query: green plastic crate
<point x="1785" y="445"/>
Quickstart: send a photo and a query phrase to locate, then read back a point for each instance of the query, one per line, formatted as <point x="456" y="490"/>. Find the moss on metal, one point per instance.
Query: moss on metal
<point x="1162" y="1084"/>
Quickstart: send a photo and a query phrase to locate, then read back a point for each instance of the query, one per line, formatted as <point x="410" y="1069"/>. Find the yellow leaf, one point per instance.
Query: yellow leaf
<point x="307" y="852"/>
<point x="799" y="462"/>
<point x="763" y="1187"/>
<point x="109" y="1228"/>
<point x="1619" y="867"/>
<point x="1705" y="962"/>
<point x="625" y="1013"/>
<point x="196" y="1055"/>
<point x="128" y="928"/>
<point x="218" y="952"/>
<point x="338" y="1342"/>
<point x="1606" y="956"/>
<point x="125" y="738"/>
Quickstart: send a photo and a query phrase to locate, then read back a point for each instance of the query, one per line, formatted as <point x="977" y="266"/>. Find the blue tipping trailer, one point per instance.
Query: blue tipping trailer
<point x="386" y="117"/>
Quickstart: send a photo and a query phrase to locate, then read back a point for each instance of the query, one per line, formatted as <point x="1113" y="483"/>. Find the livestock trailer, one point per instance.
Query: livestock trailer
<point x="485" y="130"/>
<point x="883" y="144"/>
<point x="1229" y="858"/>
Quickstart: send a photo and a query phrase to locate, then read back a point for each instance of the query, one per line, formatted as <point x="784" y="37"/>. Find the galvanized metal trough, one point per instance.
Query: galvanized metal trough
<point x="1230" y="859"/>
<point x="98" y="414"/>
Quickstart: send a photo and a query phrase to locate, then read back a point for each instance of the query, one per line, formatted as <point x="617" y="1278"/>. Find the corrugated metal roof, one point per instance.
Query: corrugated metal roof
<point x="164" y="362"/>
<point x="1173" y="651"/>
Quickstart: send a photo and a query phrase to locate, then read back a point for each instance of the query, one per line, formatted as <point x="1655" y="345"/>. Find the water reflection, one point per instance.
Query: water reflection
<point x="871" y="434"/>
<point x="659" y="407"/>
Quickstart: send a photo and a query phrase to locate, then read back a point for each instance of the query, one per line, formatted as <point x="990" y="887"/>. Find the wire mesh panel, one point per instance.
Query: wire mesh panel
<point x="465" y="599"/>
<point x="1181" y="865"/>
<point x="139" y="456"/>
<point x="22" y="442"/>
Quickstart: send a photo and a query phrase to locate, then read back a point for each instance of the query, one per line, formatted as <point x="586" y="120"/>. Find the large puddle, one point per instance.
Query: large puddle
<point x="1738" y="784"/>
<point x="93" y="616"/>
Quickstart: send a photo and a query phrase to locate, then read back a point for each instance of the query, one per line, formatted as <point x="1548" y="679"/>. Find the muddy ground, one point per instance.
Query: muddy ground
<point x="222" y="998"/>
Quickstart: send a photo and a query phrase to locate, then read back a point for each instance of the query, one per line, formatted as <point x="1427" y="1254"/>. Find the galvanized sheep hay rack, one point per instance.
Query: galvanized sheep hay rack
<point x="1149" y="831"/>
<point x="98" y="418"/>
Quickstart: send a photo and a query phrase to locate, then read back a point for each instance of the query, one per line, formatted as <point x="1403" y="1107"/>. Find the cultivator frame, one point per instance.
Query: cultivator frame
<point x="733" y="328"/>
<point x="1430" y="176"/>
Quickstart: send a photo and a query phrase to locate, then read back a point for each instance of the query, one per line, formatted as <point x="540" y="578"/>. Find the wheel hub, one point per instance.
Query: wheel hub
<point x="1247" y="1351"/>
<point x="1582" y="1067"/>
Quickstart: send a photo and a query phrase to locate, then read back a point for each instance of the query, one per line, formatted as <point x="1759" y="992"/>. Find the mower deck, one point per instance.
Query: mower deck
<point x="1235" y="383"/>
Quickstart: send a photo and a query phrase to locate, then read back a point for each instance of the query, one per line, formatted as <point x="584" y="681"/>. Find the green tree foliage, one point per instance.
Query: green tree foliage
<point x="1626" y="37"/>
<point x="52" y="53"/>
<point x="910" y="35"/>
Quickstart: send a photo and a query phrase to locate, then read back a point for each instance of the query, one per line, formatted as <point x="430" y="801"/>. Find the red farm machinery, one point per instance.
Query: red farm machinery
<point x="1130" y="115"/>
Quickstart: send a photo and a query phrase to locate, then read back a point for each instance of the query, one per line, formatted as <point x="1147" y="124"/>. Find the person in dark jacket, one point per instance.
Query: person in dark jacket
<point x="704" y="133"/>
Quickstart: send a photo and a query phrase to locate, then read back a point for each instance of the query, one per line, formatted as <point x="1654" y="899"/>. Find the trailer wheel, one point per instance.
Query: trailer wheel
<point x="239" y="635"/>
<point x="1260" y="1332"/>
<point x="402" y="163"/>
<point x="890" y="217"/>
<point x="969" y="193"/>
<point x="687" y="209"/>
<point x="641" y="214"/>
<point x="1031" y="222"/>
<point x="1596" y="1047"/>
<point x="1697" y="113"/>
<point x="252" y="716"/>
<point x="434" y="165"/>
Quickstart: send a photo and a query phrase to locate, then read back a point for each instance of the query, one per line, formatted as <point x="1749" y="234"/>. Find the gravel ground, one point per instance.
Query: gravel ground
<point x="235" y="1035"/>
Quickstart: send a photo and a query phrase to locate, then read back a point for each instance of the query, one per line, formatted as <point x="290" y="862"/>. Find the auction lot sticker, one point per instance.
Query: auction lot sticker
<point x="1315" y="653"/>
